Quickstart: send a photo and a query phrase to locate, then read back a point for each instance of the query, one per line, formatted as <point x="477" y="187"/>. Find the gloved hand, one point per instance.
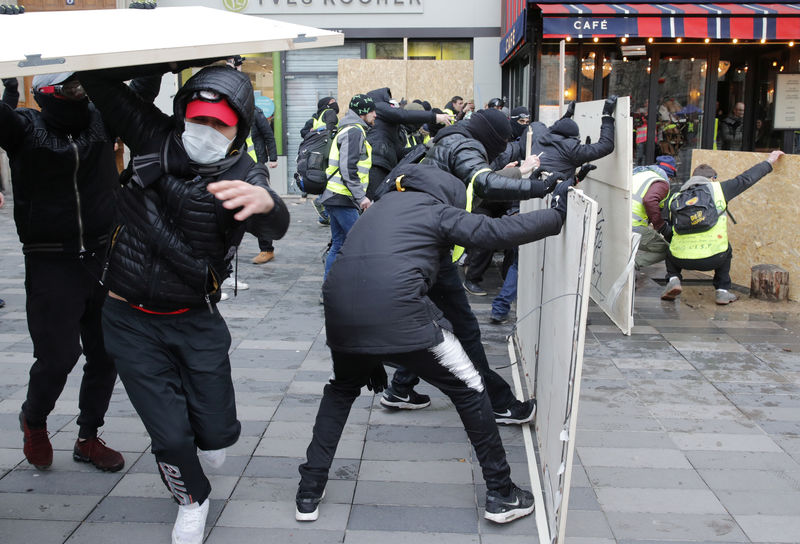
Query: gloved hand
<point x="11" y="83"/>
<point x="610" y="105"/>
<point x="377" y="380"/>
<point x="588" y="140"/>
<point x="570" y="111"/>
<point x="6" y="9"/>
<point x="584" y="171"/>
<point x="559" y="202"/>
<point x="666" y="231"/>
<point x="551" y="181"/>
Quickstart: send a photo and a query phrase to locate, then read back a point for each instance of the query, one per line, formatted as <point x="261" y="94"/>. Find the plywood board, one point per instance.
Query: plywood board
<point x="766" y="214"/>
<point x="610" y="186"/>
<point x="436" y="81"/>
<point x="61" y="41"/>
<point x="552" y="306"/>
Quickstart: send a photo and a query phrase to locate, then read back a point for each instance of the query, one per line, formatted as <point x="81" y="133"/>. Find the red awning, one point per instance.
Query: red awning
<point x="722" y="21"/>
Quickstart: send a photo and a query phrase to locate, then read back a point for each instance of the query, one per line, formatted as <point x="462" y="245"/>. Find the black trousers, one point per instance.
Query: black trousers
<point x="265" y="245"/>
<point x="445" y="366"/>
<point x="376" y="175"/>
<point x="719" y="263"/>
<point x="478" y="258"/>
<point x="64" y="304"/>
<point x="449" y="296"/>
<point x="176" y="371"/>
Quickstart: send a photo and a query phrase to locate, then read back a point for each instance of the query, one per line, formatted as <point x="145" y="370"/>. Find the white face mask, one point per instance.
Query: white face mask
<point x="204" y="144"/>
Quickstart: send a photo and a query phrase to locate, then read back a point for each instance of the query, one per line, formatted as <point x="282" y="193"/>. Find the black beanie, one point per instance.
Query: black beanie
<point x="490" y="127"/>
<point x="362" y="104"/>
<point x="566" y="127"/>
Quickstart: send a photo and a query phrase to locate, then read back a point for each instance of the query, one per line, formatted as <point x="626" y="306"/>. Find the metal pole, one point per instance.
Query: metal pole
<point x="562" y="68"/>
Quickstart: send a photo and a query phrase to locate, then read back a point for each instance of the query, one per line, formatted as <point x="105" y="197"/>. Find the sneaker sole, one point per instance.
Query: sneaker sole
<point x="510" y="421"/>
<point x="511" y="515"/>
<point x="309" y="516"/>
<point x="81" y="459"/>
<point x="478" y="294"/>
<point x="403" y="405"/>
<point x="672" y="293"/>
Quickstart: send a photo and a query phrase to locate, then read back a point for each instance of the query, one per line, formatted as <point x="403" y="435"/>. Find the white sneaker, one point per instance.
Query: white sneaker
<point x="212" y="458"/>
<point x="223" y="296"/>
<point x="190" y="523"/>
<point x="240" y="285"/>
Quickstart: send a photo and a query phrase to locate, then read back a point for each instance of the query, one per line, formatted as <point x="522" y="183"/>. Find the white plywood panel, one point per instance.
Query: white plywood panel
<point x="552" y="306"/>
<point x="65" y="41"/>
<point x="610" y="186"/>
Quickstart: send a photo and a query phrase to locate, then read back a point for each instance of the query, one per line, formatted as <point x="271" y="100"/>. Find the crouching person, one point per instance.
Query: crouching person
<point x="377" y="309"/>
<point x="180" y="217"/>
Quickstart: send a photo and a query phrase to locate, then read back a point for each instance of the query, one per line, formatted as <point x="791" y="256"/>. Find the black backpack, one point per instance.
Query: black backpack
<point x="312" y="161"/>
<point x="692" y="209"/>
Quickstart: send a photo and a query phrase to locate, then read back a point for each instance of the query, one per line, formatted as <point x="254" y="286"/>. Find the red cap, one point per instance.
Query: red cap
<point x="218" y="110"/>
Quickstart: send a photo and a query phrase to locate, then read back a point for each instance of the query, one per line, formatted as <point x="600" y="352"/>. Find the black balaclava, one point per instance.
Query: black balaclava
<point x="490" y="127"/>
<point x="322" y="104"/>
<point x="68" y="116"/>
<point x="516" y="129"/>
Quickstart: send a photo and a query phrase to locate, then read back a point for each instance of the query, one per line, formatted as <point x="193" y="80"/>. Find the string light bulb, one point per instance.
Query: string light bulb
<point x="707" y="40"/>
<point x="679" y="40"/>
<point x="596" y="39"/>
<point x="791" y="44"/>
<point x="736" y="40"/>
<point x="569" y="38"/>
<point x="649" y="40"/>
<point x="763" y="40"/>
<point x="623" y="40"/>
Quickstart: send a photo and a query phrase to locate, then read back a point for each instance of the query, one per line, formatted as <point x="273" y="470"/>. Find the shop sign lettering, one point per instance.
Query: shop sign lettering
<point x="308" y="7"/>
<point x="590" y="24"/>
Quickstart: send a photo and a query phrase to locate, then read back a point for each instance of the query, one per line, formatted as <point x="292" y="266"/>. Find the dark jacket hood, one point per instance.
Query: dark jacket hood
<point x="235" y="86"/>
<point x="566" y="127"/>
<point x="383" y="94"/>
<point x="427" y="178"/>
<point x="324" y="104"/>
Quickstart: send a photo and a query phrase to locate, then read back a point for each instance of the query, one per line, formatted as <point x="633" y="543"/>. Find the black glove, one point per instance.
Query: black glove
<point x="584" y="171"/>
<point x="551" y="182"/>
<point x="11" y="83"/>
<point x="377" y="380"/>
<point x="6" y="9"/>
<point x="559" y="202"/>
<point x="666" y="231"/>
<point x="538" y="172"/>
<point x="588" y="140"/>
<point x="610" y="105"/>
<point x="570" y="111"/>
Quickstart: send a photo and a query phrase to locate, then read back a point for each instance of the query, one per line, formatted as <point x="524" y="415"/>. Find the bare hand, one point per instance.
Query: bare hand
<point x="512" y="164"/>
<point x="529" y="165"/>
<point x="365" y="203"/>
<point x="272" y="164"/>
<point x="774" y="156"/>
<point x="240" y="194"/>
<point x="442" y="119"/>
<point x="2" y="200"/>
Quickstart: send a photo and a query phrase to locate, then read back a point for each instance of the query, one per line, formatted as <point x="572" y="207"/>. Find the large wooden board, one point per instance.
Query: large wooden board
<point x="552" y="305"/>
<point x="65" y="41"/>
<point x="767" y="214"/>
<point x="610" y="186"/>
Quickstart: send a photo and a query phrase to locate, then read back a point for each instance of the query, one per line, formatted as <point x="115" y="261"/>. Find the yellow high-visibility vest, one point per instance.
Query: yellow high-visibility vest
<point x="704" y="244"/>
<point x="458" y="251"/>
<point x="335" y="183"/>
<point x="639" y="187"/>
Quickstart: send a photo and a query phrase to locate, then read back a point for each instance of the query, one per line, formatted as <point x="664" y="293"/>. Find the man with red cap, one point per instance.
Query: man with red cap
<point x="192" y="192"/>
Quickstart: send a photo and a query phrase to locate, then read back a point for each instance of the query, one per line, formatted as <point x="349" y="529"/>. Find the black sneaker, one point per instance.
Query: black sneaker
<point x="500" y="509"/>
<point x="307" y="505"/>
<point x="410" y="401"/>
<point x="497" y="319"/>
<point x="518" y="413"/>
<point x="474" y="289"/>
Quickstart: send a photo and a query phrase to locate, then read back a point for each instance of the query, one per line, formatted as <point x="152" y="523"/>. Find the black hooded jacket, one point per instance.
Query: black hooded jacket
<point x="173" y="240"/>
<point x="386" y="136"/>
<point x="329" y="114"/>
<point x="562" y="150"/>
<point x="376" y="292"/>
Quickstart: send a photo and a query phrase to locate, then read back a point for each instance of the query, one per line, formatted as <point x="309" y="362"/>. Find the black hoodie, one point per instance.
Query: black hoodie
<point x="562" y="150"/>
<point x="376" y="292"/>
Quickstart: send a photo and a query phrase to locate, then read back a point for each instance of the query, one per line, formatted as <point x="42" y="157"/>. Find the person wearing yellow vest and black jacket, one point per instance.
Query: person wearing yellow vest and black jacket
<point x="348" y="173"/>
<point x="710" y="250"/>
<point x="327" y="116"/>
<point x="466" y="150"/>
<point x="649" y="191"/>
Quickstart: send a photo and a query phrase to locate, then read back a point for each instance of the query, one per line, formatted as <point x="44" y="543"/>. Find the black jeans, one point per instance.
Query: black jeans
<point x="265" y="245"/>
<point x="719" y="263"/>
<point x="445" y="366"/>
<point x="64" y="304"/>
<point x="449" y="296"/>
<point x="478" y="258"/>
<point x="176" y="371"/>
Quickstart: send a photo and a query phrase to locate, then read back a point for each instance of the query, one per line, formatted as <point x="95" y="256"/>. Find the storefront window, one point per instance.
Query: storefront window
<point x="423" y="50"/>
<point x="764" y="138"/>
<point x="631" y="77"/>
<point x="548" y="82"/>
<point x="681" y="90"/>
<point x="731" y="74"/>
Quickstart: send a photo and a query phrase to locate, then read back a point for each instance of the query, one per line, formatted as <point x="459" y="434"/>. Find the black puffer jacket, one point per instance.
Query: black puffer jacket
<point x="376" y="292"/>
<point x="385" y="136"/>
<point x="562" y="150"/>
<point x="457" y="152"/>
<point x="173" y="239"/>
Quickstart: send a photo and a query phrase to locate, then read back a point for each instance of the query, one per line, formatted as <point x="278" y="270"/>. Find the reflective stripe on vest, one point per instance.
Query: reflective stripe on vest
<point x="335" y="183"/>
<point x="641" y="134"/>
<point x="318" y="122"/>
<point x="458" y="251"/>
<point x="704" y="244"/>
<point x="640" y="185"/>
<point x="251" y="149"/>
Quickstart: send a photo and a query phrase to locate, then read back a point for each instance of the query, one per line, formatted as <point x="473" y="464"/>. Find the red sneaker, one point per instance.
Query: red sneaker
<point x="95" y="451"/>
<point x="36" y="445"/>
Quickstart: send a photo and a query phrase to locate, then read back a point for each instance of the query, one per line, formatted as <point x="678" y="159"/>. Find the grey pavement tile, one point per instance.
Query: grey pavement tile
<point x="616" y="423"/>
<point x="285" y="489"/>
<point x="441" y="413"/>
<point x="653" y="500"/>
<point x="10" y="458"/>
<point x="281" y="467"/>
<point x="280" y="515"/>
<point x="413" y="519"/>
<point x="416" y="494"/>
<point x="633" y="457"/>
<point x="588" y="524"/>
<point x="21" y="531"/>
<point x="657" y="478"/>
<point x="59" y="482"/>
<point x="46" y="506"/>
<point x="417" y="451"/>
<point x="418" y="433"/>
<point x="724" y="426"/>
<point x="375" y="536"/>
<point x="771" y="413"/>
<point x="450" y="472"/>
<point x="780" y="462"/>
<point x="242" y="535"/>
<point x="644" y="526"/>
<point x="624" y="439"/>
<point x="121" y="533"/>
<point x="144" y="510"/>
<point x="698" y="411"/>
<point x="750" y="480"/>
<point x="770" y="528"/>
<point x="724" y="442"/>
<point x="151" y="486"/>
<point x="582" y="498"/>
<point x="303" y="429"/>
<point x="751" y="502"/>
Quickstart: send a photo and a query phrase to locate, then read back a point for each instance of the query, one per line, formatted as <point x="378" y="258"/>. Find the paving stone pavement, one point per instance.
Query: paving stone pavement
<point x="689" y="431"/>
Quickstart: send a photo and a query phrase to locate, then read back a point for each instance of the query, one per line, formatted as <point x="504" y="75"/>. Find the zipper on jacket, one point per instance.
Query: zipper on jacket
<point x="74" y="147"/>
<point x="111" y="244"/>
